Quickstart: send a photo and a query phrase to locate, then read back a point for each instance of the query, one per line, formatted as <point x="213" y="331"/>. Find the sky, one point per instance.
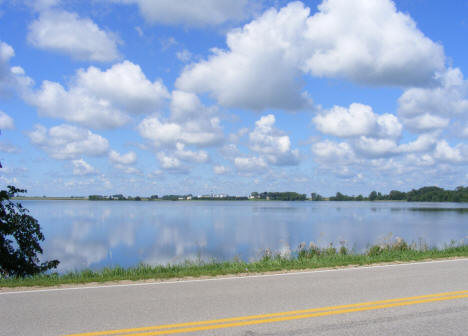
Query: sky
<point x="154" y="97"/>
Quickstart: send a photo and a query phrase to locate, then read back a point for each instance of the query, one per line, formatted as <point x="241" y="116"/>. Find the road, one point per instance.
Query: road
<point x="405" y="299"/>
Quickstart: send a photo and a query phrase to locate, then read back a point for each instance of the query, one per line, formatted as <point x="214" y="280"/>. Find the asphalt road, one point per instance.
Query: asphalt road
<point x="410" y="299"/>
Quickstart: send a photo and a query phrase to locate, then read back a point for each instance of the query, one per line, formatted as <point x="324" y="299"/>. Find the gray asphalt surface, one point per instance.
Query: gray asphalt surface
<point x="61" y="312"/>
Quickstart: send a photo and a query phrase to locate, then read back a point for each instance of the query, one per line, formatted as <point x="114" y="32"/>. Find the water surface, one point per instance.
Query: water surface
<point x="95" y="234"/>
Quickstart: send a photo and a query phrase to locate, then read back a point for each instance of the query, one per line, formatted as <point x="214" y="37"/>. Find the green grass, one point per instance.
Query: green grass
<point x="311" y="257"/>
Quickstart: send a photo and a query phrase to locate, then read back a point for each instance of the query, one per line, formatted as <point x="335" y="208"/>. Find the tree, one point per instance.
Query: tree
<point x="316" y="197"/>
<point x="19" y="257"/>
<point x="373" y="196"/>
<point x="396" y="195"/>
<point x="340" y="197"/>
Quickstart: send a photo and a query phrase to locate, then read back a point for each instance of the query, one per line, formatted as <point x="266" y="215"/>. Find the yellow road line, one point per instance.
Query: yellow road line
<point x="289" y="318"/>
<point x="278" y="317"/>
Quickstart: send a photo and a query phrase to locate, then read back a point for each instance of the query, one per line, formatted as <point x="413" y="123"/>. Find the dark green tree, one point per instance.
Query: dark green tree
<point x="396" y="195"/>
<point x="316" y="197"/>
<point x="373" y="196"/>
<point x="20" y="237"/>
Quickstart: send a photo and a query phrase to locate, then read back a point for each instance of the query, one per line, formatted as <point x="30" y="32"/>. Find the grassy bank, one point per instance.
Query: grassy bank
<point x="310" y="257"/>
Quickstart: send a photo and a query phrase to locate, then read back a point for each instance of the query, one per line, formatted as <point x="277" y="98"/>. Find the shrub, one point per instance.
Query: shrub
<point x="343" y="250"/>
<point x="374" y="250"/>
<point x="400" y="245"/>
<point x="330" y="250"/>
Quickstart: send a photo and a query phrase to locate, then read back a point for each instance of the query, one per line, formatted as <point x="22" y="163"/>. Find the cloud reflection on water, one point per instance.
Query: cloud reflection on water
<point x="97" y="234"/>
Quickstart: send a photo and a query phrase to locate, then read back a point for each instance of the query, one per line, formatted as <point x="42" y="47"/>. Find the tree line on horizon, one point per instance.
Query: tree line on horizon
<point x="279" y="196"/>
<point x="424" y="194"/>
<point x="120" y="197"/>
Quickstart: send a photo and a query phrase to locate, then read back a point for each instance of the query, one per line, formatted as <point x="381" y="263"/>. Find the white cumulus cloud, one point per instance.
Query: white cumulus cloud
<point x="6" y="122"/>
<point x="172" y="164"/>
<point x="220" y="170"/>
<point x="190" y="156"/>
<point x="465" y="132"/>
<point x="189" y="13"/>
<point x="190" y="123"/>
<point x="446" y="153"/>
<point x="68" y="142"/>
<point x="123" y="159"/>
<point x="272" y="143"/>
<point x="12" y="78"/>
<point x="425" y="109"/>
<point x="426" y="122"/>
<point x="100" y="99"/>
<point x="250" y="164"/>
<point x="424" y="143"/>
<point x="67" y="33"/>
<point x="260" y="68"/>
<point x="372" y="147"/>
<point x="328" y="152"/>
<point x="367" y="42"/>
<point x="6" y="76"/>
<point x="357" y="120"/>
<point x="128" y="169"/>
<point x="176" y="161"/>
<point x="82" y="168"/>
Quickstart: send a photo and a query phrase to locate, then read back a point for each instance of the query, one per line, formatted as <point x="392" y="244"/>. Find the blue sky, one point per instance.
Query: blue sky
<point x="148" y="97"/>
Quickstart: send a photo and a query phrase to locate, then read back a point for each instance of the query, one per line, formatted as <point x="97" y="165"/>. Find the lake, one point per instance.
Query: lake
<point x="96" y="234"/>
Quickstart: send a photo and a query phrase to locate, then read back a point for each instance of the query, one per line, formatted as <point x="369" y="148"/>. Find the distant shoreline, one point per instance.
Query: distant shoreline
<point x="34" y="198"/>
<point x="141" y="200"/>
<point x="212" y="200"/>
<point x="424" y="194"/>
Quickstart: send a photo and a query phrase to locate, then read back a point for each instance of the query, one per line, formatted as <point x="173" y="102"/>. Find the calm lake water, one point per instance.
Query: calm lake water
<point x="93" y="234"/>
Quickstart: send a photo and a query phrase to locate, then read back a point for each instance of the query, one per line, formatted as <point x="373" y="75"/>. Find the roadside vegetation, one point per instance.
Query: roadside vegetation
<point x="304" y="257"/>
